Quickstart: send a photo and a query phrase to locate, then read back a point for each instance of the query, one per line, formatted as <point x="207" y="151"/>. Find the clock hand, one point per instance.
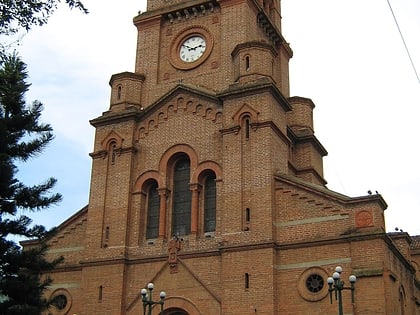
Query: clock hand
<point x="194" y="48"/>
<point x="188" y="47"/>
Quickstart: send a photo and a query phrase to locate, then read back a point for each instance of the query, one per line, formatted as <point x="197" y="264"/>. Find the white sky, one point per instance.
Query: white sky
<point x="348" y="58"/>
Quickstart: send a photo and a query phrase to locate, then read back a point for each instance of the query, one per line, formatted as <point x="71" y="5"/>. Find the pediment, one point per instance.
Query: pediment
<point x="182" y="99"/>
<point x="112" y="137"/>
<point x="169" y="281"/>
<point x="246" y="109"/>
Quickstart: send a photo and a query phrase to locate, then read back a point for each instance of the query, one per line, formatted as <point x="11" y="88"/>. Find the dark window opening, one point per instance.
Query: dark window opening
<point x="314" y="283"/>
<point x="152" y="229"/>
<point x="210" y="203"/>
<point x="113" y="153"/>
<point x="175" y="311"/>
<point x="107" y="233"/>
<point x="247" y="128"/>
<point x="248" y="215"/>
<point x="100" y="293"/>
<point x="246" y="280"/>
<point x="181" y="213"/>
<point x="60" y="301"/>
<point x="119" y="92"/>
<point x="247" y="63"/>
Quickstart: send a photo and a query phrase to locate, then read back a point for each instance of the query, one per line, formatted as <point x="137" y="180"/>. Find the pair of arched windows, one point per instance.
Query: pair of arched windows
<point x="185" y="213"/>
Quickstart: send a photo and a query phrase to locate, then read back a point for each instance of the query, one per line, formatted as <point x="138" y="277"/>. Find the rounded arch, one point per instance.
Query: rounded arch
<point x="247" y="59"/>
<point x="200" y="171"/>
<point x="144" y="178"/>
<point x="245" y="110"/>
<point x="175" y="311"/>
<point x="119" y="92"/>
<point x="181" y="304"/>
<point x="112" y="138"/>
<point x="175" y="151"/>
<point x="402" y="300"/>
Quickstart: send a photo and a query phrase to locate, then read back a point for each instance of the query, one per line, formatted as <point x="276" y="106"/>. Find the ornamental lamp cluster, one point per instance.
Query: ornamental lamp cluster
<point x="337" y="285"/>
<point x="148" y="303"/>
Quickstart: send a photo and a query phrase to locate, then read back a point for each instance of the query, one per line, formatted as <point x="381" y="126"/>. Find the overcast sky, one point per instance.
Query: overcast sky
<point x="348" y="58"/>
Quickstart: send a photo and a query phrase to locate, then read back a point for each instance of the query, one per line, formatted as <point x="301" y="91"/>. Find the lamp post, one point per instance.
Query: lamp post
<point x="337" y="285"/>
<point x="146" y="297"/>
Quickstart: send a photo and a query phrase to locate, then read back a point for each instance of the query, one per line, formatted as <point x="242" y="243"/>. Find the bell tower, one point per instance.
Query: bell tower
<point x="207" y="180"/>
<point x="211" y="44"/>
<point x="189" y="150"/>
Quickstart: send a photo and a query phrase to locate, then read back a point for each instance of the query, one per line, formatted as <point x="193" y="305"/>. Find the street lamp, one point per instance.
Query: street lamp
<point x="148" y="302"/>
<point x="337" y="285"/>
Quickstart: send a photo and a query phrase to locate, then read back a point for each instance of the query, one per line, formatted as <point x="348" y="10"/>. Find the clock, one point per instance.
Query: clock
<point x="192" y="48"/>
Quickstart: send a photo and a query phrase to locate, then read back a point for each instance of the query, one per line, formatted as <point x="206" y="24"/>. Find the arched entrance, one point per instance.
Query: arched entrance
<point x="176" y="305"/>
<point x="175" y="311"/>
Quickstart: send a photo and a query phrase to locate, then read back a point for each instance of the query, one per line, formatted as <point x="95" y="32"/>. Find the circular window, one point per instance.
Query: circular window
<point x="314" y="283"/>
<point x="60" y="302"/>
<point x="311" y="284"/>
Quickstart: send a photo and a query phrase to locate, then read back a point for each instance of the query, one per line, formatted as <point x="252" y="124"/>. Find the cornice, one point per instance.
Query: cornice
<point x="273" y="127"/>
<point x="230" y="130"/>
<point x="226" y="248"/>
<point x="355" y="237"/>
<point x="110" y="117"/>
<point x="126" y="75"/>
<point x="103" y="153"/>
<point x="247" y="247"/>
<point x="323" y="191"/>
<point x="259" y="86"/>
<point x="301" y="99"/>
<point x="253" y="44"/>
<point x="310" y="169"/>
<point x="305" y="138"/>
<point x="177" y="11"/>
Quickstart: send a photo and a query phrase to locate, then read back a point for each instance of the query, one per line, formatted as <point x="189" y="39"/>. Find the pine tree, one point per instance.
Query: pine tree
<point x="22" y="136"/>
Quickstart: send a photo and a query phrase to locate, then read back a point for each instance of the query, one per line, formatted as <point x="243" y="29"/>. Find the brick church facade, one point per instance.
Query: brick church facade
<point x="207" y="180"/>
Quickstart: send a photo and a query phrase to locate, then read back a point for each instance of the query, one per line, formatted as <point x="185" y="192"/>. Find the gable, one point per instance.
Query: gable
<point x="183" y="100"/>
<point x="69" y="241"/>
<point x="306" y="212"/>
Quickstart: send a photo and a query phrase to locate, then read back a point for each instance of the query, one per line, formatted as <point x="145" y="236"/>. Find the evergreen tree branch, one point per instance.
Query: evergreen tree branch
<point x="28" y="13"/>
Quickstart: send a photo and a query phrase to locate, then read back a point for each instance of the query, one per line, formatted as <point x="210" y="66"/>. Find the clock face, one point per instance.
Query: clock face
<point x="192" y="48"/>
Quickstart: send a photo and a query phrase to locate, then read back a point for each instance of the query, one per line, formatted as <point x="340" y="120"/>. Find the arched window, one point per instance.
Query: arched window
<point x="181" y="211"/>
<point x="152" y="228"/>
<point x="247" y="127"/>
<point x="402" y="301"/>
<point x="113" y="153"/>
<point x="119" y="90"/>
<point x="247" y="63"/>
<point x="210" y="203"/>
